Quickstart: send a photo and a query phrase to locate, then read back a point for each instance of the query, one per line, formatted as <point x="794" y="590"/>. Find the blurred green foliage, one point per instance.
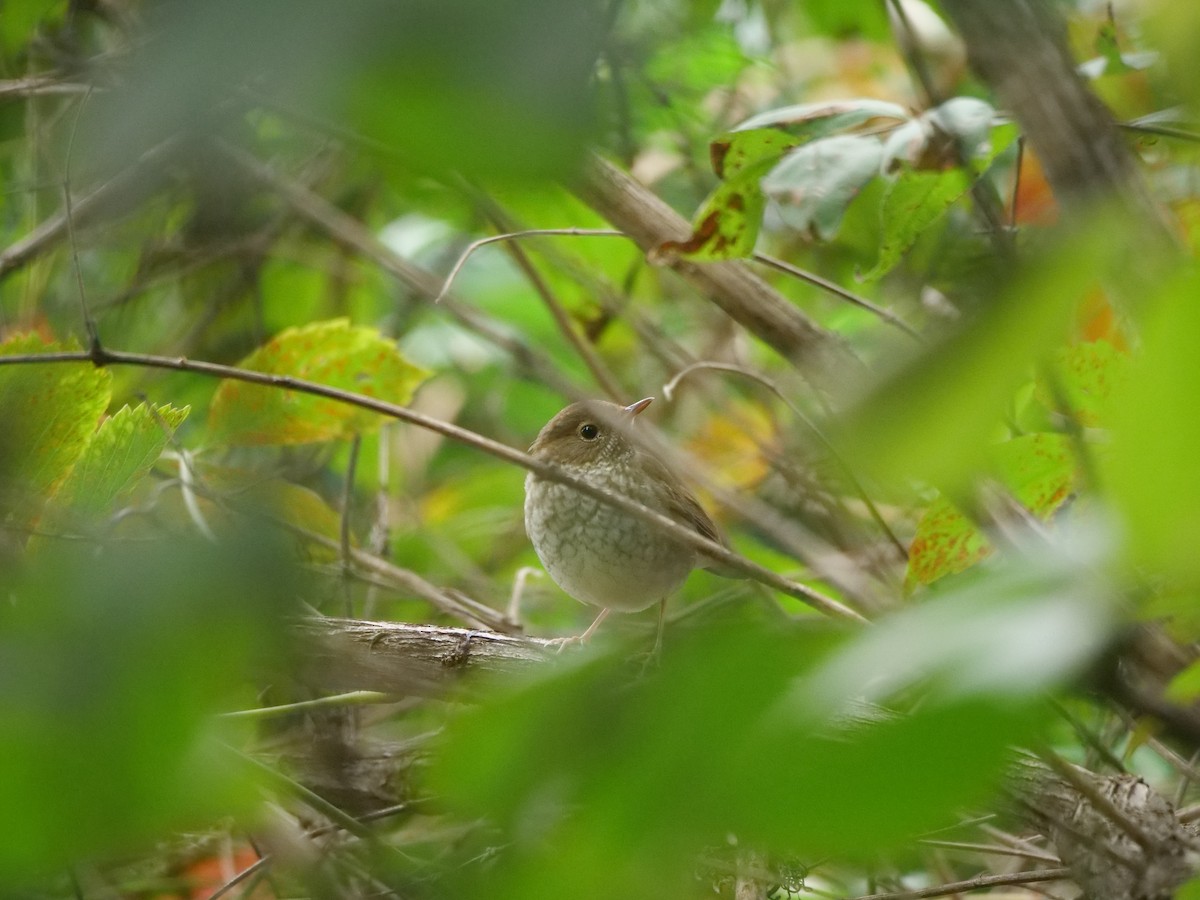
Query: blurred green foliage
<point x="285" y="186"/>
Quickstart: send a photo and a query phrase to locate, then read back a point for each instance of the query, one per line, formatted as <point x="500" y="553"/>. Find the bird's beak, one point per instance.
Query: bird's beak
<point x="634" y="408"/>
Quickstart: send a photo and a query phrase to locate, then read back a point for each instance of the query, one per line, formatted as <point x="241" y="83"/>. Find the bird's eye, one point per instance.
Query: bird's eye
<point x="588" y="431"/>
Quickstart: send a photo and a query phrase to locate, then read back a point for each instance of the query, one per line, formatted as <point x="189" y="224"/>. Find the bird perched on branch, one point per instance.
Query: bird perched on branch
<point x="595" y="552"/>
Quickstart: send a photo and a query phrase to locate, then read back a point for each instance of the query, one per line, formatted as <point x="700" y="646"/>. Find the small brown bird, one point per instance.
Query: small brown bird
<point x="593" y="551"/>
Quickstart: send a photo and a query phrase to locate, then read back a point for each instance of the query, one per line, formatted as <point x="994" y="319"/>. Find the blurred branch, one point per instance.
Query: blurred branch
<point x="746" y="298"/>
<point x="982" y="194"/>
<point x="122" y="191"/>
<point x="102" y="357"/>
<point x="1019" y="48"/>
<point x="40" y="86"/>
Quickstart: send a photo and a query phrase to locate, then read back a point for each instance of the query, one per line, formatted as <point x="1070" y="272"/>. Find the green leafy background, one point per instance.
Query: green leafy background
<point x="996" y="467"/>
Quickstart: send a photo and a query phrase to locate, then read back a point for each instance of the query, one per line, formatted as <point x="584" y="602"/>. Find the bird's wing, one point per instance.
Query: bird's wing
<point x="686" y="509"/>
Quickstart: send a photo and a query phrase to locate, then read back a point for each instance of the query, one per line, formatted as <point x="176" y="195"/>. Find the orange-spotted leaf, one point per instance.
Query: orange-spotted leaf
<point x="946" y="542"/>
<point x="1085" y="376"/>
<point x="1039" y="472"/>
<point x="333" y="353"/>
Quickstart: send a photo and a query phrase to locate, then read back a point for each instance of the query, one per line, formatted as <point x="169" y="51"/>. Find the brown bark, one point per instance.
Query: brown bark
<point x="636" y="210"/>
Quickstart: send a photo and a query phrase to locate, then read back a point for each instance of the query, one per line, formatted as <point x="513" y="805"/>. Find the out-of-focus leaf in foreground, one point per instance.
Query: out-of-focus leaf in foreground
<point x="760" y="734"/>
<point x="934" y="420"/>
<point x="1152" y="468"/>
<point x="112" y="660"/>
<point x="331" y="353"/>
<point x="478" y="88"/>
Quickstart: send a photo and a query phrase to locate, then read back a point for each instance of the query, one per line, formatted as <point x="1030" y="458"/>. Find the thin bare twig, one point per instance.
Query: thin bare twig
<point x="974" y="884"/>
<point x="349" y="698"/>
<point x="992" y="850"/>
<point x="516" y="235"/>
<point x="681" y="533"/>
<point x="257" y="866"/>
<point x="41" y="86"/>
<point x="347" y="504"/>
<point x="350" y="232"/>
<point x="583" y="348"/>
<point x="1161" y="130"/>
<point x="137" y="178"/>
<point x="838" y="291"/>
<point x="89" y="323"/>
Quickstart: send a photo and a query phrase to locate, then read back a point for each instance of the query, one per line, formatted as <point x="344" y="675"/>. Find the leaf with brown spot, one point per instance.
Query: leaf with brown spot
<point x="726" y="226"/>
<point x="734" y="151"/>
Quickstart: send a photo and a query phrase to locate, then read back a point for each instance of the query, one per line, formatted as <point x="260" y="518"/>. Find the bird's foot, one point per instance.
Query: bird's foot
<point x="560" y="644"/>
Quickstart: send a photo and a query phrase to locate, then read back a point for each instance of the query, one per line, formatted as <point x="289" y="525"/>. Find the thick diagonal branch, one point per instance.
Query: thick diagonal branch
<point x="747" y="299"/>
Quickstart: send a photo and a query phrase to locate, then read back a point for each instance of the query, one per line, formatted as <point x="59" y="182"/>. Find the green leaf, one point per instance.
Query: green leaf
<point x="331" y="353"/>
<point x="813" y="185"/>
<point x="840" y="18"/>
<point x="20" y="23"/>
<point x="1185" y="687"/>
<point x="123" y="449"/>
<point x="913" y="202"/>
<point x="50" y="412"/>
